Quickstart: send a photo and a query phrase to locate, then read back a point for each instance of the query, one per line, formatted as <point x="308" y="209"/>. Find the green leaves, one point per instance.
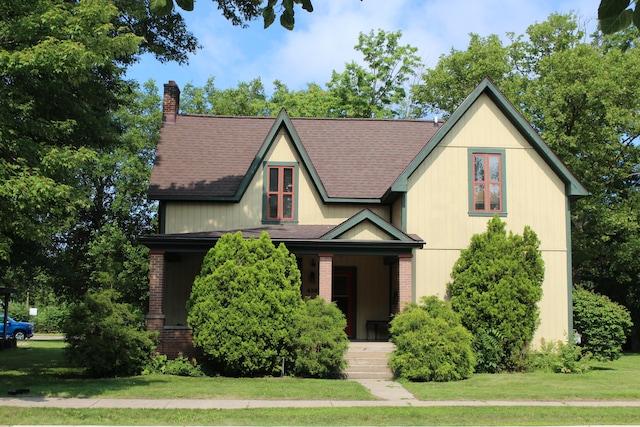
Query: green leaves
<point x="163" y="7"/>
<point x="615" y="15"/>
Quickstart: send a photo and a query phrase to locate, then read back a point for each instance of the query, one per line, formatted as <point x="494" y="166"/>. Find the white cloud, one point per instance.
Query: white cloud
<point x="324" y="39"/>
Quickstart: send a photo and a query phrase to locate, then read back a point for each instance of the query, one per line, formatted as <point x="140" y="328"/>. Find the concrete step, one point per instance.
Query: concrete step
<point x="369" y="360"/>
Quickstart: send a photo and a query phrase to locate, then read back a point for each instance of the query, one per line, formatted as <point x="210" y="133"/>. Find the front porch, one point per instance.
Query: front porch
<point x="369" y="289"/>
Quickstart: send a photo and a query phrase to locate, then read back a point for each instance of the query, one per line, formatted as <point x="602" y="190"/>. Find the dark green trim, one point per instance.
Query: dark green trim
<point x="574" y="187"/>
<point x="367" y="215"/>
<point x="503" y="189"/>
<point x="265" y="173"/>
<point x="569" y="270"/>
<point x="404" y="212"/>
<point x="298" y="247"/>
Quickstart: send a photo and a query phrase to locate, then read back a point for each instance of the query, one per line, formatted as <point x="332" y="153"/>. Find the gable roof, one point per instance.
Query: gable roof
<point x="215" y="157"/>
<point x="201" y="157"/>
<point x="573" y="187"/>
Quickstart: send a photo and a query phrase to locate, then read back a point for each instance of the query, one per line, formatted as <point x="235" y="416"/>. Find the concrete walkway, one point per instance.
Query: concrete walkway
<point x="390" y="393"/>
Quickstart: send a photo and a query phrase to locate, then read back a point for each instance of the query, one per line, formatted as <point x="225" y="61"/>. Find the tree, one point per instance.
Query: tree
<point x="241" y="11"/>
<point x="582" y="97"/>
<point x="377" y="90"/>
<point x="496" y="286"/>
<point x="245" y="306"/>
<point x="248" y="99"/>
<point x="60" y="83"/>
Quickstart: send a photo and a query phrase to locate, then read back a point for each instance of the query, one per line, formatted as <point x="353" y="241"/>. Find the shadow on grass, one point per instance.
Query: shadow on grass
<point x="45" y="371"/>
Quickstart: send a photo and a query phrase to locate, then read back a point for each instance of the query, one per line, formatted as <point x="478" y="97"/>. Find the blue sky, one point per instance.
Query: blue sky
<point x="323" y="41"/>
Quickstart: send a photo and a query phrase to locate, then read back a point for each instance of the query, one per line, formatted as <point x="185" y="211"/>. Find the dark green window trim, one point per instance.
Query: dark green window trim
<point x="265" y="192"/>
<point x="503" y="187"/>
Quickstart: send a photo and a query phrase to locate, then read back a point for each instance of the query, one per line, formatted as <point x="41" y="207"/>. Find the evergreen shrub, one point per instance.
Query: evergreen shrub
<point x="107" y="338"/>
<point x="602" y="325"/>
<point x="431" y="343"/>
<point x="245" y="307"/>
<point x="323" y="342"/>
<point x="496" y="286"/>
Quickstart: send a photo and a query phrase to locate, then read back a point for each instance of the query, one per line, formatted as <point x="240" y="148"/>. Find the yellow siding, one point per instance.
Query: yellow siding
<point x="365" y="231"/>
<point x="438" y="205"/>
<point x="184" y="217"/>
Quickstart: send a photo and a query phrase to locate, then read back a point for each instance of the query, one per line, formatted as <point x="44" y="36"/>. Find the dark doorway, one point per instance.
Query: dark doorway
<point x="344" y="295"/>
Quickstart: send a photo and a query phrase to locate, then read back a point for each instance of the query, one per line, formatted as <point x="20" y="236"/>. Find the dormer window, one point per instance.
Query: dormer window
<point x="280" y="194"/>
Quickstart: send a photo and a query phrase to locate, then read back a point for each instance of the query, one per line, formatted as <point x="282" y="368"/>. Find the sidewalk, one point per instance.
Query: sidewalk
<point x="391" y="393"/>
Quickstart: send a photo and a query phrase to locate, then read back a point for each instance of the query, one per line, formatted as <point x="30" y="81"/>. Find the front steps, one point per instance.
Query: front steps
<point x="368" y="360"/>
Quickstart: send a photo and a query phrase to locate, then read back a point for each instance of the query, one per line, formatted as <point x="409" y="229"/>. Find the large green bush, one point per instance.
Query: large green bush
<point x="603" y="325"/>
<point x="323" y="342"/>
<point x="431" y="343"/>
<point x="245" y="307"/>
<point x="496" y="286"/>
<point x="107" y="338"/>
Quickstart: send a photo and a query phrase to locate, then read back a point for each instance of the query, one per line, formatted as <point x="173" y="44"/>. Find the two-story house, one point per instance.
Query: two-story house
<point x="376" y="211"/>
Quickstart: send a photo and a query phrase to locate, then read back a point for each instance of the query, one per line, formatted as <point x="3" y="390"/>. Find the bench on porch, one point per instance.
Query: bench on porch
<point x="380" y="329"/>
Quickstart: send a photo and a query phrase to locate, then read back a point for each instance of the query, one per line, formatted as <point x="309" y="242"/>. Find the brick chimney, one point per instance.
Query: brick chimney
<point x="170" y="102"/>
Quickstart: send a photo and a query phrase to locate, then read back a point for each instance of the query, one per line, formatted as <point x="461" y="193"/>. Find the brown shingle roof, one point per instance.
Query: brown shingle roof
<point x="208" y="156"/>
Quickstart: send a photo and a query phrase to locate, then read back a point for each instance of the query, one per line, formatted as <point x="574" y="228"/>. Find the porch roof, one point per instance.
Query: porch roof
<point x="299" y="239"/>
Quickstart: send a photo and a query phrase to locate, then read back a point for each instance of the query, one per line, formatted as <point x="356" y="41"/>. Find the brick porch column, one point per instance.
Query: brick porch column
<point x="325" y="276"/>
<point x="405" y="280"/>
<point x="155" y="317"/>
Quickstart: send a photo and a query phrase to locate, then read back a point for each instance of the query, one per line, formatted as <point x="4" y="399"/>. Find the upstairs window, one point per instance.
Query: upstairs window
<point x="280" y="193"/>
<point x="487" y="183"/>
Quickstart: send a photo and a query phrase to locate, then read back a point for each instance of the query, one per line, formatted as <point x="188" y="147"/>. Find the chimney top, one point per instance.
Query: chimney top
<point x="170" y="102"/>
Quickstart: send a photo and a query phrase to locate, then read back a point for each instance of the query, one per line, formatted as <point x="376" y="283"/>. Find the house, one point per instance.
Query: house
<point x="376" y="211"/>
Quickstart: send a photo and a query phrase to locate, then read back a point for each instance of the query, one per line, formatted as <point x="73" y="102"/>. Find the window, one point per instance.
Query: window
<point x="487" y="184"/>
<point x="280" y="193"/>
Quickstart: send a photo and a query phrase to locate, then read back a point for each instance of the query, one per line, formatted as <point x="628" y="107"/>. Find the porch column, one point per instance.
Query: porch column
<point x="325" y="276"/>
<point x="155" y="317"/>
<point x="405" y="280"/>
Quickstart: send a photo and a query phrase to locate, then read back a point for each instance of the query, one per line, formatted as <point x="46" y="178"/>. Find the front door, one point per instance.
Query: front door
<point x="343" y="293"/>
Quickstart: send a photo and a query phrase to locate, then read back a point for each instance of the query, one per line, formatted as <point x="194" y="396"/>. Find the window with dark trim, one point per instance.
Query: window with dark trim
<point x="280" y="193"/>
<point x="487" y="186"/>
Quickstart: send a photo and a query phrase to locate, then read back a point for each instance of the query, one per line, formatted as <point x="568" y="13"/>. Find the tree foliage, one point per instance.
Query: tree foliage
<point x="239" y="12"/>
<point x="107" y="338"/>
<point x="496" y="286"/>
<point x="602" y="325"/>
<point x="431" y="343"/>
<point x="245" y="306"/>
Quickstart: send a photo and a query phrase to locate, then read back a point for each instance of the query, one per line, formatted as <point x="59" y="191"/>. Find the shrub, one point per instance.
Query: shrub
<point x="496" y="285"/>
<point x="50" y="319"/>
<point x="323" y="342"/>
<point x="431" y="343"/>
<point x="245" y="306"/>
<point x="180" y="366"/>
<point x="559" y="357"/>
<point x="107" y="338"/>
<point x="603" y="325"/>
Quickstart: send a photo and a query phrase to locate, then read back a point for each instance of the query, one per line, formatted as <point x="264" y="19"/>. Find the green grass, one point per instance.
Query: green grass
<point x="41" y="367"/>
<point x="616" y="380"/>
<point x="383" y="416"/>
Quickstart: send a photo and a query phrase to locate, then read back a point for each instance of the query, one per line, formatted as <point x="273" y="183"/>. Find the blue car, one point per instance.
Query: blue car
<point x="16" y="330"/>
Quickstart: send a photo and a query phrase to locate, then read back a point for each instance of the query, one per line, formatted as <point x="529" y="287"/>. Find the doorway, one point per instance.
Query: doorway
<point x="343" y="293"/>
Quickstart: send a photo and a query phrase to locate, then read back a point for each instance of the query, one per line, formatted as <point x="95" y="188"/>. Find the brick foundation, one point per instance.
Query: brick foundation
<point x="176" y="341"/>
